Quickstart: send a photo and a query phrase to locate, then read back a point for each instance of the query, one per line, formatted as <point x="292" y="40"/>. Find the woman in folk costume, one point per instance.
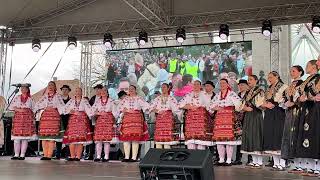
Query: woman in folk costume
<point x="225" y="103"/>
<point x="165" y="106"/>
<point x="50" y="129"/>
<point x="23" y="128"/>
<point x="197" y="130"/>
<point x="308" y="125"/>
<point x="133" y="130"/>
<point x="78" y="131"/>
<point x="252" y="134"/>
<point x="274" y="118"/>
<point x="292" y="113"/>
<point x="104" y="132"/>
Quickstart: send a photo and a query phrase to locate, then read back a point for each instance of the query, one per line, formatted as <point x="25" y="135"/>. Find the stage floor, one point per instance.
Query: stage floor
<point x="34" y="169"/>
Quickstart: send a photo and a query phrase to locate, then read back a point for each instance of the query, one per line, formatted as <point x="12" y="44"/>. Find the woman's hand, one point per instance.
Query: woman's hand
<point x="247" y="109"/>
<point x="289" y="104"/>
<point x="303" y="98"/>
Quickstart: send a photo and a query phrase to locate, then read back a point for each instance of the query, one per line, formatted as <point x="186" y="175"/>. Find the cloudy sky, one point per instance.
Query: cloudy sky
<point x="23" y="58"/>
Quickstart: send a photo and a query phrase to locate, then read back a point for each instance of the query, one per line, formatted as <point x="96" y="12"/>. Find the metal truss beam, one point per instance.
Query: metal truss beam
<point x="46" y="16"/>
<point x="150" y="10"/>
<point x="237" y="19"/>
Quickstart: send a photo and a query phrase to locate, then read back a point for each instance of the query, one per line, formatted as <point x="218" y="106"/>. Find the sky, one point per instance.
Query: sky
<point x="23" y="58"/>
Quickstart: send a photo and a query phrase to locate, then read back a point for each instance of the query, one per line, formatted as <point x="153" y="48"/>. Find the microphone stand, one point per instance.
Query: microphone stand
<point x="13" y="94"/>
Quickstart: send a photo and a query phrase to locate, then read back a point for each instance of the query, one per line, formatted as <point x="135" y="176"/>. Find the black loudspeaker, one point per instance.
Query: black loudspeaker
<point x="172" y="164"/>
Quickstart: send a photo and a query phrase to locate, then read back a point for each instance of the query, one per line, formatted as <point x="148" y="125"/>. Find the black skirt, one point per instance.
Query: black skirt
<point x="273" y="128"/>
<point x="288" y="144"/>
<point x="308" y="133"/>
<point x="252" y="132"/>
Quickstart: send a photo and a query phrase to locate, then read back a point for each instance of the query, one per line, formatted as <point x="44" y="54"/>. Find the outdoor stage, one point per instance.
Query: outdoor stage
<point x="33" y="169"/>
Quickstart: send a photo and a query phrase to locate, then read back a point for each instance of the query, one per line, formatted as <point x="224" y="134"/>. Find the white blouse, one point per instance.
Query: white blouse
<point x="17" y="103"/>
<point x="83" y="105"/>
<point x="55" y="101"/>
<point x="198" y="100"/>
<point x="232" y="99"/>
<point x="133" y="103"/>
<point x="162" y="103"/>
<point x="108" y="107"/>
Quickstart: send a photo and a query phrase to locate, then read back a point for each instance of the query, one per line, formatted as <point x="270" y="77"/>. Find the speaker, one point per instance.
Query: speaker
<point x="172" y="164"/>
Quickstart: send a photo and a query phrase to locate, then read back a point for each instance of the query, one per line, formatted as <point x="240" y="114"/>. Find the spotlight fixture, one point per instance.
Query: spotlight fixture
<point x="224" y="31"/>
<point x="181" y="35"/>
<point x="143" y="38"/>
<point x="36" y="45"/>
<point x="107" y="40"/>
<point x="266" y="28"/>
<point x="72" y="42"/>
<point x="316" y="24"/>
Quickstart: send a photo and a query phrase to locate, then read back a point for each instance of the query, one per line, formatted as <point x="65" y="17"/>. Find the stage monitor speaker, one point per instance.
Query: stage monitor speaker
<point x="173" y="164"/>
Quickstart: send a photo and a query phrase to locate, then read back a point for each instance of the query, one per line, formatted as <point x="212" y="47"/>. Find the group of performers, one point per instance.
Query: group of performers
<point x="281" y="122"/>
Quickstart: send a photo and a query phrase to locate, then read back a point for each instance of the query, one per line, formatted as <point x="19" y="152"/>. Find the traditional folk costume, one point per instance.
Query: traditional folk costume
<point x="23" y="126"/>
<point x="197" y="131"/>
<point x="105" y="131"/>
<point x="307" y="132"/>
<point x="165" y="128"/>
<point x="273" y="124"/>
<point x="224" y="131"/>
<point x="133" y="127"/>
<point x="292" y="114"/>
<point x="50" y="127"/>
<point x="252" y="134"/>
<point x="78" y="130"/>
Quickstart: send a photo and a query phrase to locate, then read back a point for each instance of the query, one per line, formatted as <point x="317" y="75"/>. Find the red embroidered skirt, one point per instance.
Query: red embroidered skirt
<point x="197" y="125"/>
<point x="23" y="123"/>
<point x="49" y="123"/>
<point x="133" y="127"/>
<point x="104" y="129"/>
<point x="224" y="124"/>
<point x="164" y="130"/>
<point x="78" y="129"/>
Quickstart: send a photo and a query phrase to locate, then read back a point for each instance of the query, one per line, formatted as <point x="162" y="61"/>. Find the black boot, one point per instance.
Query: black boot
<point x="238" y="156"/>
<point x="89" y="152"/>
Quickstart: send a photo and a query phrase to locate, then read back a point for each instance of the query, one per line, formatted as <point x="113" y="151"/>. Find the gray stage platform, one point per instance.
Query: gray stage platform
<point x="33" y="169"/>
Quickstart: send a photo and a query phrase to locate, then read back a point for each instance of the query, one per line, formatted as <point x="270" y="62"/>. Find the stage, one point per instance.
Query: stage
<point x="34" y="169"/>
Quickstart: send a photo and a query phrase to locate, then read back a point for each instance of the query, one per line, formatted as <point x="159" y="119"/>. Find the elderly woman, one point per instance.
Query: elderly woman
<point x="23" y="128"/>
<point x="50" y="122"/>
<point x="225" y="103"/>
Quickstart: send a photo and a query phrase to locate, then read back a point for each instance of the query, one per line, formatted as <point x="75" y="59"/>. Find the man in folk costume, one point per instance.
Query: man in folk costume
<point x="50" y="122"/>
<point x="197" y="130"/>
<point x="243" y="88"/>
<point x="165" y="106"/>
<point x="274" y="117"/>
<point x="133" y="130"/>
<point x="23" y="128"/>
<point x="225" y="103"/>
<point x="65" y="89"/>
<point x="292" y="107"/>
<point x="104" y="132"/>
<point x="308" y="126"/>
<point x="78" y="132"/>
<point x="252" y="134"/>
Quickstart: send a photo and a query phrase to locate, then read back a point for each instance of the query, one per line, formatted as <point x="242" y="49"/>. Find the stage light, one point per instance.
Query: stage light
<point x="316" y="24"/>
<point x="181" y="35"/>
<point x="224" y="31"/>
<point x="266" y="28"/>
<point x="36" y="45"/>
<point x="143" y="38"/>
<point x="72" y="42"/>
<point x="107" y="40"/>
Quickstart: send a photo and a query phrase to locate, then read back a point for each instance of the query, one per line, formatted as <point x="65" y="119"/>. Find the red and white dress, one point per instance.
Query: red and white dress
<point x="105" y="130"/>
<point x="165" y="129"/>
<point x="224" y="130"/>
<point x="78" y="130"/>
<point x="50" y="121"/>
<point x="133" y="126"/>
<point x="23" y="125"/>
<point x="197" y="125"/>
